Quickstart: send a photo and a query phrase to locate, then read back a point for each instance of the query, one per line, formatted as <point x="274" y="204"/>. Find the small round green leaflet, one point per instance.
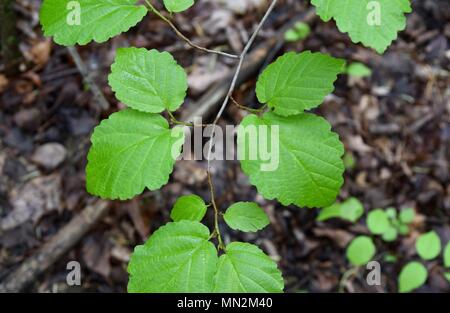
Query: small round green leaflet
<point x="297" y="82"/>
<point x="361" y="250"/>
<point x="131" y="150"/>
<point x="391" y="213"/>
<point x="377" y="221"/>
<point x="412" y="276"/>
<point x="358" y="70"/>
<point x="178" y="257"/>
<point x="246" y="216"/>
<point x="351" y="210"/>
<point x="428" y="245"/>
<point x="403" y="229"/>
<point x="390" y="234"/>
<point x="245" y="268"/>
<point x="148" y="81"/>
<point x="308" y="169"/>
<point x="407" y="215"/>
<point x="300" y="31"/>
<point x="447" y="276"/>
<point x="72" y="22"/>
<point x="447" y="255"/>
<point x="178" y="5"/>
<point x="191" y="208"/>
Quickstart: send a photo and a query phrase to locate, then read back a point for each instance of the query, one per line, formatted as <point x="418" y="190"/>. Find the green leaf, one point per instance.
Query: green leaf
<point x="390" y="234"/>
<point x="391" y="258"/>
<point x="407" y="215"/>
<point x="403" y="229"/>
<point x="349" y="161"/>
<point x="358" y="70"/>
<point x="361" y="250"/>
<point x="428" y="245"/>
<point x="447" y="276"/>
<point x="377" y="221"/>
<point x="391" y="213"/>
<point x="374" y="26"/>
<point x="191" y="208"/>
<point x="177" y="258"/>
<point x="412" y="276"/>
<point x="130" y="151"/>
<point x="300" y="31"/>
<point x="308" y="169"/>
<point x="447" y="255"/>
<point x="246" y="216"/>
<point x="178" y="5"/>
<point x="88" y="20"/>
<point x="245" y="268"/>
<point x="148" y="81"/>
<point x="297" y="82"/>
<point x="351" y="210"/>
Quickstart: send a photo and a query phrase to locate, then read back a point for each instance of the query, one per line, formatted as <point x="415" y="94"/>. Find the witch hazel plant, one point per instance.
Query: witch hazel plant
<point x="135" y="149"/>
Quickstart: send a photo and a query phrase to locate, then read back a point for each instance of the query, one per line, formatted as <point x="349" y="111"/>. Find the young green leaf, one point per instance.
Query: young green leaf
<point x="403" y="229"/>
<point x="447" y="255"/>
<point x="391" y="213"/>
<point x="245" y="268"/>
<point x="391" y="258"/>
<point x="373" y="23"/>
<point x="148" y="81"/>
<point x="428" y="245"/>
<point x="407" y="215"/>
<point x="412" y="276"/>
<point x="177" y="258"/>
<point x="178" y="5"/>
<point x="358" y="70"/>
<point x="191" y="208"/>
<point x="447" y="276"/>
<point x="297" y="82"/>
<point x="300" y="31"/>
<point x="390" y="234"/>
<point x="130" y="151"/>
<point x="308" y="169"/>
<point x="361" y="250"/>
<point x="82" y="21"/>
<point x="350" y="210"/>
<point x="377" y="221"/>
<point x="246" y="216"/>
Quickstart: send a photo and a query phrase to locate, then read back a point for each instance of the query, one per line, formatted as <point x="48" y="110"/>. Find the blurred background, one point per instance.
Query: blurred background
<point x="394" y="119"/>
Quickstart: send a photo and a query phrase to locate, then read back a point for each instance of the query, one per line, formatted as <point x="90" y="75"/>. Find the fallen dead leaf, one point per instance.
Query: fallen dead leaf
<point x="34" y="199"/>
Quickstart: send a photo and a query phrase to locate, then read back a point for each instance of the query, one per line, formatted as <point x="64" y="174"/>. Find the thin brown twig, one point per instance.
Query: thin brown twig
<point x="98" y="94"/>
<point x="187" y="40"/>
<point x="174" y="120"/>
<point x="243" y="107"/>
<point x="216" y="212"/>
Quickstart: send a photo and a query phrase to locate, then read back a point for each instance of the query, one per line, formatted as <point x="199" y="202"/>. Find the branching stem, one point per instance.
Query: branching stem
<point x="187" y="40"/>
<point x="216" y="213"/>
<point x="222" y="109"/>
<point x="242" y="107"/>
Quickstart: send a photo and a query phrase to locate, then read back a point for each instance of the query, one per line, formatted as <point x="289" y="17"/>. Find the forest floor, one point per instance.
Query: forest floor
<point x="395" y="126"/>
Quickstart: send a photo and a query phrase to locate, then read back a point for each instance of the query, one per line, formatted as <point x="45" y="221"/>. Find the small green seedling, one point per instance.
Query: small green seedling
<point x="299" y="32"/>
<point x="361" y="250"/>
<point x="414" y="274"/>
<point x="358" y="70"/>
<point x="447" y="261"/>
<point x="387" y="224"/>
<point x="350" y="210"/>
